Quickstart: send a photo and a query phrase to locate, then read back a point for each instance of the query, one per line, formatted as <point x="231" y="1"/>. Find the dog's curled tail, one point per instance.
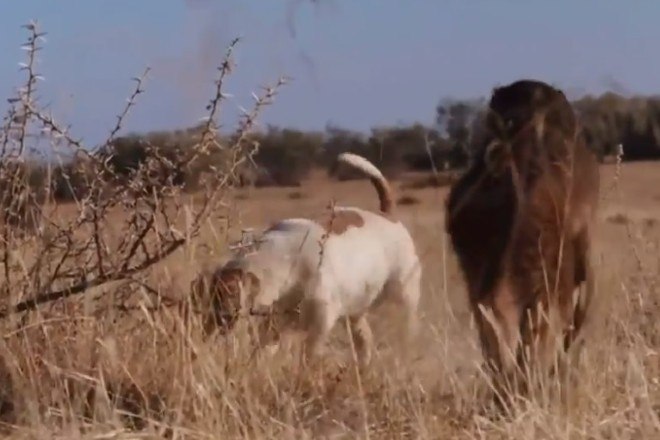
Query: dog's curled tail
<point x="379" y="181"/>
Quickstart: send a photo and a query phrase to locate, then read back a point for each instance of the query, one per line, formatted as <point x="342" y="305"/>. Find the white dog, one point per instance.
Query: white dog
<point x="323" y="270"/>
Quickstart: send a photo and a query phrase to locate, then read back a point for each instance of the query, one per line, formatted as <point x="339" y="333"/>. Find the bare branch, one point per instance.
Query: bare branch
<point x="124" y="221"/>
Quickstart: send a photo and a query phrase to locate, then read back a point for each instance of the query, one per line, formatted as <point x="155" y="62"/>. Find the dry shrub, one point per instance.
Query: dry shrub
<point x="69" y="254"/>
<point x="91" y="257"/>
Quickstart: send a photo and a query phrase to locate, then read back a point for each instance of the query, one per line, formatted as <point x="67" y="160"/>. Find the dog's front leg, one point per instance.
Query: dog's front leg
<point x="318" y="317"/>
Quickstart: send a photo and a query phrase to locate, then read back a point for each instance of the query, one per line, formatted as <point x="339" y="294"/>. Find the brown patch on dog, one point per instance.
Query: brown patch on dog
<point x="340" y="220"/>
<point x="521" y="217"/>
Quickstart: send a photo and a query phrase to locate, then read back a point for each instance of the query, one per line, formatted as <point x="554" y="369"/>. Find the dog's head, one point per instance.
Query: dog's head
<point x="219" y="296"/>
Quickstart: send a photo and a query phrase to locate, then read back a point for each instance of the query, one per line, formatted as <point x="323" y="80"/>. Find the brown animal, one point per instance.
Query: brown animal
<point x="519" y="221"/>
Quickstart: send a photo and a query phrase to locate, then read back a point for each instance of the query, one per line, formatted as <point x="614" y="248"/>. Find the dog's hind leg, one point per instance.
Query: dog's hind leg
<point x="409" y="294"/>
<point x="362" y="338"/>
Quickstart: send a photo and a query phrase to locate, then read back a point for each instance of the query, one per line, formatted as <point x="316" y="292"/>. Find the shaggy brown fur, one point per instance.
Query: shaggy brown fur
<point x="519" y="221"/>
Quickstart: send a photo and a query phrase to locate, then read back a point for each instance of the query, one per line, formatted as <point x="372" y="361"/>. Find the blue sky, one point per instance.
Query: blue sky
<point x="354" y="63"/>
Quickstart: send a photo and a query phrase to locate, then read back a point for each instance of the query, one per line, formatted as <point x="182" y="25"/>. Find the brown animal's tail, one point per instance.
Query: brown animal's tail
<point x="379" y="181"/>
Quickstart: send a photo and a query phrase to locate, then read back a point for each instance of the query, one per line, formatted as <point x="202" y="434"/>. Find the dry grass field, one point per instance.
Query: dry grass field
<point x="73" y="373"/>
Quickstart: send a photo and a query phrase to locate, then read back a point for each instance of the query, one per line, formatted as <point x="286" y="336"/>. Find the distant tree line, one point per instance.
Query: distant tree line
<point x="286" y="156"/>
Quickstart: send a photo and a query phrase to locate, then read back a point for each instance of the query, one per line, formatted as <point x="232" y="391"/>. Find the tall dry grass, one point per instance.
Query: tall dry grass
<point x="76" y="373"/>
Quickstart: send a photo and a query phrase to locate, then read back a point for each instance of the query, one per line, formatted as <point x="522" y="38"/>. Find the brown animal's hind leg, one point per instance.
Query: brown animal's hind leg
<point x="584" y="290"/>
<point x="498" y="321"/>
<point x="584" y="287"/>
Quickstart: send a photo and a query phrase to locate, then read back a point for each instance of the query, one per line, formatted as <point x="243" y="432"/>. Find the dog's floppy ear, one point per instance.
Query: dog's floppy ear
<point x="231" y="273"/>
<point x="239" y="283"/>
<point x="225" y="299"/>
